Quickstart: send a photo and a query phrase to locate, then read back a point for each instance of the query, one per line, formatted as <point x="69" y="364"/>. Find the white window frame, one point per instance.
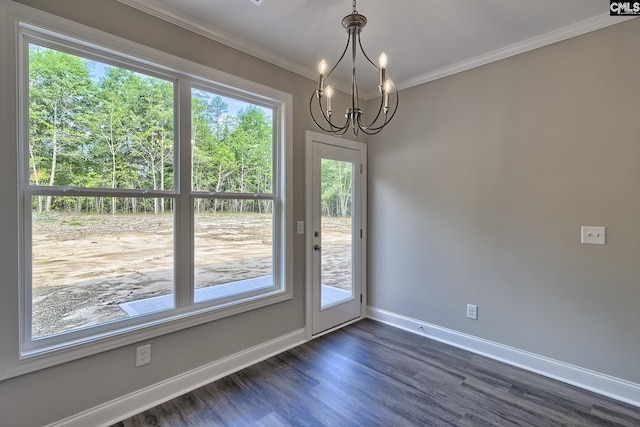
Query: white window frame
<point x="29" y="25"/>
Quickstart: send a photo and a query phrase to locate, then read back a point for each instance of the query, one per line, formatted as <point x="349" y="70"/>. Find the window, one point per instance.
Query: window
<point x="231" y="181"/>
<point x="153" y="195"/>
<point x="100" y="146"/>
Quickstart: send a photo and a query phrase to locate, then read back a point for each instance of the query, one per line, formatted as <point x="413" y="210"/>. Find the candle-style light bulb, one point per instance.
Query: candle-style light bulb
<point x="329" y="92"/>
<point x="382" y="61"/>
<point x="322" y="67"/>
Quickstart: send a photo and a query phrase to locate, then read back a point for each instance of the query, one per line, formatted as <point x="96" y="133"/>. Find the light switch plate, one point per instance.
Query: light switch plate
<point x="593" y="235"/>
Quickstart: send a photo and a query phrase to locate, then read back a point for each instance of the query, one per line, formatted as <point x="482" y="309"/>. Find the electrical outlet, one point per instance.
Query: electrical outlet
<point x="592" y="235"/>
<point x="143" y="355"/>
<point x="300" y="227"/>
<point x="472" y="312"/>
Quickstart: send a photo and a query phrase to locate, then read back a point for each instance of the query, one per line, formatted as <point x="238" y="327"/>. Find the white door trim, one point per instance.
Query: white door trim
<point x="312" y="137"/>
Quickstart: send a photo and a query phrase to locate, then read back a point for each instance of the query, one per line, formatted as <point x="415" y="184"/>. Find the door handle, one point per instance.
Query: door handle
<point x="316" y="248"/>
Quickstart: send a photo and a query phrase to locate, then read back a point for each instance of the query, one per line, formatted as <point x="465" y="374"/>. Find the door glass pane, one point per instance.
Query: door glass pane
<point x="337" y="234"/>
<point x="91" y="267"/>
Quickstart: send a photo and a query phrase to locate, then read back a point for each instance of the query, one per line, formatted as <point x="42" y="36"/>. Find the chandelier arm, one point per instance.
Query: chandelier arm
<point x="369" y="126"/>
<point x="386" y="120"/>
<point x="377" y="115"/>
<point x="369" y="132"/>
<point x="341" y="56"/>
<point x="373" y="130"/>
<point x="341" y="132"/>
<point x="333" y="128"/>
<point x="313" y="116"/>
<point x="338" y="130"/>
<point x="365" y="54"/>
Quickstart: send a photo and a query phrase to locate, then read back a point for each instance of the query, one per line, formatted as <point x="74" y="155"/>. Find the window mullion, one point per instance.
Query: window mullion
<point x="32" y="190"/>
<point x="184" y="216"/>
<point x="232" y="196"/>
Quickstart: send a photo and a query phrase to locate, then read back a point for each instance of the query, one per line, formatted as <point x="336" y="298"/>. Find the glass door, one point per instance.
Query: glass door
<point x="336" y="240"/>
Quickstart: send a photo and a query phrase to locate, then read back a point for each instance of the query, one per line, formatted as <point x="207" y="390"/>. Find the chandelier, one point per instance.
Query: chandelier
<point x="323" y="115"/>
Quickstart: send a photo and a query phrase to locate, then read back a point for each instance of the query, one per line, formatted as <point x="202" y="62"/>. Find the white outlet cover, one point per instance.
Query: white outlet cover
<point x="143" y="355"/>
<point x="472" y="312"/>
<point x="592" y="235"/>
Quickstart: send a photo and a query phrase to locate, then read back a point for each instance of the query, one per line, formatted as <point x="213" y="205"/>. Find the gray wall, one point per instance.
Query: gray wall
<point x="478" y="190"/>
<point x="477" y="193"/>
<point x="49" y="395"/>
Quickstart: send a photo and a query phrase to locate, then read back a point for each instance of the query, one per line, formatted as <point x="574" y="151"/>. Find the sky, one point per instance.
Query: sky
<point x="98" y="69"/>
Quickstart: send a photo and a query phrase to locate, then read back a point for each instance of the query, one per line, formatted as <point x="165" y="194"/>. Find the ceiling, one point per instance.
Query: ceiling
<point x="424" y="39"/>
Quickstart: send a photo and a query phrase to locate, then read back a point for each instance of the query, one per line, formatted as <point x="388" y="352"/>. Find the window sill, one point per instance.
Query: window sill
<point x="46" y="357"/>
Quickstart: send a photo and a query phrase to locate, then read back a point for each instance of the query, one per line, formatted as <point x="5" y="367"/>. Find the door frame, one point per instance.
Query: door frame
<point x="316" y="137"/>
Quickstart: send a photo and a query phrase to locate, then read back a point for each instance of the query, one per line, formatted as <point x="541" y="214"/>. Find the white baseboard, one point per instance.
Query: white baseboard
<point x="123" y="407"/>
<point x="118" y="409"/>
<point x="596" y="382"/>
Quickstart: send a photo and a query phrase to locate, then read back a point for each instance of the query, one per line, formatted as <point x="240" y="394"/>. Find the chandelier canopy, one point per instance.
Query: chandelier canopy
<point x="323" y="115"/>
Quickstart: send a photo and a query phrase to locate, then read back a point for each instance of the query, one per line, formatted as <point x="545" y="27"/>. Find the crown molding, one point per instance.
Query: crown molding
<point x="174" y="17"/>
<point x="555" y="36"/>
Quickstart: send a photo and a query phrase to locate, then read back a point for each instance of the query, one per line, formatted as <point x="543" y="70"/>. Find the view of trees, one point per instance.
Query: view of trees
<point x="116" y="130"/>
<point x="97" y="126"/>
<point x="336" y="188"/>
<point x="103" y="170"/>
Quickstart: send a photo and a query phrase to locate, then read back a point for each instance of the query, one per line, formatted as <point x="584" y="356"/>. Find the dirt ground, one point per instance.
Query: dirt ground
<point x="84" y="265"/>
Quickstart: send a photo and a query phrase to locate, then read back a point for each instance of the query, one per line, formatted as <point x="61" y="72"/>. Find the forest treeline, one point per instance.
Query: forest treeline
<point x="116" y="131"/>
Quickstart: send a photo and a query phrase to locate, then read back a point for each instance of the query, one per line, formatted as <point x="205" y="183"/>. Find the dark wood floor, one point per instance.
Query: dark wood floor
<point x="370" y="374"/>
